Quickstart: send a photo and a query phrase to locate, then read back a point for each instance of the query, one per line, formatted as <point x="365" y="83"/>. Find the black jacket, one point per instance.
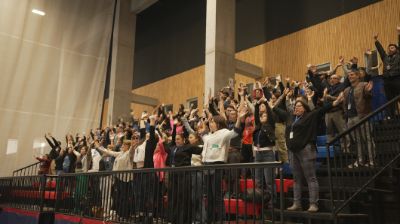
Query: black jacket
<point x="305" y="129"/>
<point x="149" y="150"/>
<point x="263" y="135"/>
<point x="391" y="63"/>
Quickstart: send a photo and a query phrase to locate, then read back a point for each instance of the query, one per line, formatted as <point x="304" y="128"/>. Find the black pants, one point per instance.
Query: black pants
<point x="180" y="197"/>
<point x="392" y="87"/>
<point x="123" y="198"/>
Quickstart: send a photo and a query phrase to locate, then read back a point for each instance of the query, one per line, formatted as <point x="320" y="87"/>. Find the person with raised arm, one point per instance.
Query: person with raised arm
<point x="391" y="66"/>
<point x="301" y="134"/>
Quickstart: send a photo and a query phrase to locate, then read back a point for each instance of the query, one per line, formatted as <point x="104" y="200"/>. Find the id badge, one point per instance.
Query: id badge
<point x="388" y="67"/>
<point x="291" y="135"/>
<point x="349" y="106"/>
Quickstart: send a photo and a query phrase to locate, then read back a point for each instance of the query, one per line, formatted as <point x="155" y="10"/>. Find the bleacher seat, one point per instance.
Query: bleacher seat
<point x="322" y="152"/>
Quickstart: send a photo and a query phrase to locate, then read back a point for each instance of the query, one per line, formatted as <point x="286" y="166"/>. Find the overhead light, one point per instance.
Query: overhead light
<point x="36" y="11"/>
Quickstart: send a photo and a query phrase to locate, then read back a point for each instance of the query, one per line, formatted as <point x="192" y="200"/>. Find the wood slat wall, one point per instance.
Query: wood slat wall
<point x="348" y="35"/>
<point x="173" y="90"/>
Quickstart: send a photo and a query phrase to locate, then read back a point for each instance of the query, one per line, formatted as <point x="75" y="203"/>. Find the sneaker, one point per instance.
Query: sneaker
<point x="356" y="164"/>
<point x="370" y="164"/>
<point x="295" y="207"/>
<point x="313" y="208"/>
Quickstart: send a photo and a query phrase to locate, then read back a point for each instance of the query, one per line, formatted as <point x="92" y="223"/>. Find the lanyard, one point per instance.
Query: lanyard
<point x="294" y="122"/>
<point x="173" y="155"/>
<point x="258" y="137"/>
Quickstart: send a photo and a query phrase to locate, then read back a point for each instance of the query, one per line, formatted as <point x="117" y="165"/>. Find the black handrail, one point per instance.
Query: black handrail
<point x="364" y="119"/>
<point x="336" y="211"/>
<point x="354" y="131"/>
<point x="81" y="194"/>
<point x="25" y="168"/>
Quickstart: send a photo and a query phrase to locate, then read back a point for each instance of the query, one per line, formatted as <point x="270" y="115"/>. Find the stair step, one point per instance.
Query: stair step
<point x="319" y="215"/>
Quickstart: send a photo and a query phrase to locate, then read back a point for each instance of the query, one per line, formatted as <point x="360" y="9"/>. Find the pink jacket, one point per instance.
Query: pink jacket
<point x="159" y="158"/>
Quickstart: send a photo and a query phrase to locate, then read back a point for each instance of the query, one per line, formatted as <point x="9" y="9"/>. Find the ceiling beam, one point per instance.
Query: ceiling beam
<point x="249" y="70"/>
<point x="146" y="100"/>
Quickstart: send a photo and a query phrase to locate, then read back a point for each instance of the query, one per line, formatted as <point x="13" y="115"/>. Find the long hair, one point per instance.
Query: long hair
<point x="270" y="115"/>
<point x="219" y="121"/>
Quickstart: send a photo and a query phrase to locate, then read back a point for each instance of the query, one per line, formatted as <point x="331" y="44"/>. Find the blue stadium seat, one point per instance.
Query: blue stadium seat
<point x="321" y="140"/>
<point x="322" y="152"/>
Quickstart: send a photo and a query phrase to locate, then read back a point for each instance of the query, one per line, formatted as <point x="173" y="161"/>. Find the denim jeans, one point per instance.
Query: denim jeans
<point x="265" y="156"/>
<point x="302" y="164"/>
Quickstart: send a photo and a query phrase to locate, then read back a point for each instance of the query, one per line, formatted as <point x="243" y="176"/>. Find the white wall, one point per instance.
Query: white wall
<point x="52" y="71"/>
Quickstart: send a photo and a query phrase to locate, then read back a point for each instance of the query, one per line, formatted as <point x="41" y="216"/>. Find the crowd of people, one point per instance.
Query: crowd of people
<point x="278" y="120"/>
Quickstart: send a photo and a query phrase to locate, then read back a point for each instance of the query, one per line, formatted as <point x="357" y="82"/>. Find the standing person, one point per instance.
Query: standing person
<point x="357" y="104"/>
<point x="334" y="118"/>
<point x="215" y="151"/>
<point x="391" y="67"/>
<point x="181" y="155"/>
<point x="44" y="165"/>
<point x="198" y="213"/>
<point x="123" y="183"/>
<point x="264" y="144"/>
<point x="301" y="133"/>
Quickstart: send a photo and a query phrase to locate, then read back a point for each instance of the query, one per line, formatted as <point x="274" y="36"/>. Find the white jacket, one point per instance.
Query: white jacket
<point x="216" y="145"/>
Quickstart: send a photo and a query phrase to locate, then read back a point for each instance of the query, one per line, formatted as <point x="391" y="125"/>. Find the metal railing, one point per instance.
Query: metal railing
<point x="356" y="157"/>
<point x="29" y="170"/>
<point x="197" y="194"/>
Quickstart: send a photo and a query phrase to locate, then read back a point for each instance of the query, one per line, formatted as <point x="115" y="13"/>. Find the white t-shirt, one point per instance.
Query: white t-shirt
<point x="216" y="145"/>
<point x="140" y="153"/>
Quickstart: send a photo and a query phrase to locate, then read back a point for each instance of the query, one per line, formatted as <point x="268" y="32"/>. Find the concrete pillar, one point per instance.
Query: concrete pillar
<point x="120" y="96"/>
<point x="220" y="44"/>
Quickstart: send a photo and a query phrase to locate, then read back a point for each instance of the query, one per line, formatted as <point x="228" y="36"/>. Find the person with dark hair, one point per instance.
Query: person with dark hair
<point x="391" y="66"/>
<point x="180" y="154"/>
<point x="264" y="144"/>
<point x="301" y="133"/>
<point x="334" y="118"/>
<point x="357" y="104"/>
<point x="215" y="151"/>
<point x="44" y="165"/>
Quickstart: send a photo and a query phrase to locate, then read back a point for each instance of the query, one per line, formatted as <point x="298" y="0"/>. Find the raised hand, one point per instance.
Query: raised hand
<point x="376" y="36"/>
<point x="339" y="99"/>
<point x="241" y="91"/>
<point x="266" y="81"/>
<point x="341" y="59"/>
<point x="310" y="94"/>
<point x="325" y="92"/>
<point x="263" y="99"/>
<point x="369" y="86"/>
<point x="286" y="91"/>
<point x="243" y="112"/>
<point x="258" y="85"/>
<point x="271" y="104"/>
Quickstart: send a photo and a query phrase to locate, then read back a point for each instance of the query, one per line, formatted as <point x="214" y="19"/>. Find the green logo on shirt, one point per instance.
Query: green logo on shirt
<point x="215" y="146"/>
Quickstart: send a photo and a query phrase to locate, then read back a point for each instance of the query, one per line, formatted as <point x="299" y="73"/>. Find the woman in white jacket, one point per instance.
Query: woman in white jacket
<point x="215" y="151"/>
<point x="123" y="183"/>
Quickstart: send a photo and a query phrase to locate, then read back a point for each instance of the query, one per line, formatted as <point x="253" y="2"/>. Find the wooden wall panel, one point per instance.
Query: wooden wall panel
<point x="348" y="35"/>
<point x="176" y="89"/>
